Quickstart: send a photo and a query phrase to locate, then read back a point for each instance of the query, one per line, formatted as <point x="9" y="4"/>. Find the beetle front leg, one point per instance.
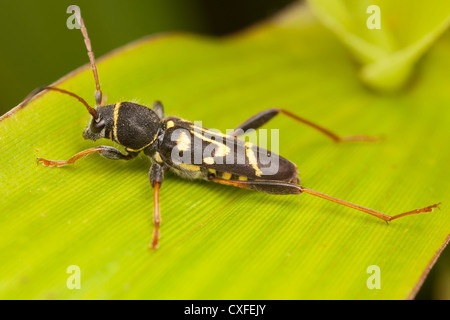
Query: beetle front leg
<point x="105" y="151"/>
<point x="156" y="176"/>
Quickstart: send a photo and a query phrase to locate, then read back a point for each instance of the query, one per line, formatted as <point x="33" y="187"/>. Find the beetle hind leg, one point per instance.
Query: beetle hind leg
<point x="279" y="187"/>
<point x="266" y="186"/>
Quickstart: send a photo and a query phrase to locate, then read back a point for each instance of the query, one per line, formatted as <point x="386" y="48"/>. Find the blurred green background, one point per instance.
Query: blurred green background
<point x="38" y="49"/>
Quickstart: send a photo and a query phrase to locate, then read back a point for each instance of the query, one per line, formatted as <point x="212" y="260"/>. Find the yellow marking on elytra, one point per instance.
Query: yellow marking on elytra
<point x="189" y="167"/>
<point x="213" y="171"/>
<point x="116" y="117"/>
<point x="222" y="149"/>
<point x="226" y="175"/>
<point x="212" y="132"/>
<point x="208" y="160"/>
<point x="183" y="142"/>
<point x="252" y="158"/>
<point x="158" y="157"/>
<point x="170" y="124"/>
<point x="242" y="178"/>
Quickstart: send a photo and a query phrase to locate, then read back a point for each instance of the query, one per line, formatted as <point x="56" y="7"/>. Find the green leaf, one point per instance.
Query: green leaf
<point x="221" y="242"/>
<point x="389" y="54"/>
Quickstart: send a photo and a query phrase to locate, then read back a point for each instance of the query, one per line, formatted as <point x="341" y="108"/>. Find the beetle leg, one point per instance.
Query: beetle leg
<point x="266" y="186"/>
<point x="105" y="151"/>
<point x="279" y="187"/>
<point x="265" y="116"/>
<point x="377" y="214"/>
<point x="156" y="176"/>
<point x="159" y="109"/>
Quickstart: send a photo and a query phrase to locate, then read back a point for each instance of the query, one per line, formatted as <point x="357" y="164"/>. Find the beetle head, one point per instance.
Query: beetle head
<point x="100" y="125"/>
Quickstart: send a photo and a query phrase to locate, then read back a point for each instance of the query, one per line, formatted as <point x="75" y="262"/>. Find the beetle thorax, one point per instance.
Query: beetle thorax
<point x="134" y="126"/>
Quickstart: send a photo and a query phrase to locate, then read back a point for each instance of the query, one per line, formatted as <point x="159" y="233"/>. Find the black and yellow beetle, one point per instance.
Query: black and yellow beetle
<point x="173" y="143"/>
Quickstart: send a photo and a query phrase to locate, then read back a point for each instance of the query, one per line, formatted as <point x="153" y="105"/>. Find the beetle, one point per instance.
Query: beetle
<point x="168" y="140"/>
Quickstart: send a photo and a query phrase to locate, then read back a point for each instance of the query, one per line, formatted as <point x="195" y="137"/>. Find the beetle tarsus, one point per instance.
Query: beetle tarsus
<point x="417" y="211"/>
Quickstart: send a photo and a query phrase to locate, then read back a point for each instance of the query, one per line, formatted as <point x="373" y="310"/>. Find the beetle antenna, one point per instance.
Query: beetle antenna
<point x="91" y="110"/>
<point x="87" y="42"/>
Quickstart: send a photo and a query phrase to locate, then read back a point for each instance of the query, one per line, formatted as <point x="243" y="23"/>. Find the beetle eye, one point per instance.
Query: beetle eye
<point x="98" y="124"/>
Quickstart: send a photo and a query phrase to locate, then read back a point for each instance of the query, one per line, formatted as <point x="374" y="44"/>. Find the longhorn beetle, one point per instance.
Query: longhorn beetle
<point x="138" y="128"/>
